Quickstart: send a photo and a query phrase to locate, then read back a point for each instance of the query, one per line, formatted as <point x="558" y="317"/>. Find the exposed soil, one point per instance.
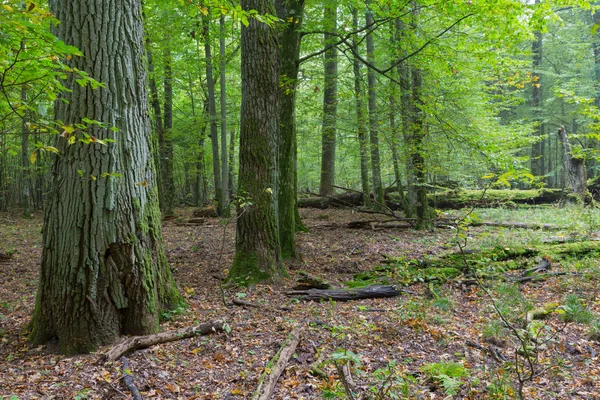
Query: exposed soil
<point x="406" y="329"/>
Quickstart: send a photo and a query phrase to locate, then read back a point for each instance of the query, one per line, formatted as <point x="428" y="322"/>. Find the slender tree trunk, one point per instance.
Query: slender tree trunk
<point x="231" y="156"/>
<point x="158" y="121"/>
<point x="537" y="149"/>
<point x="394" y="147"/>
<point x="103" y="270"/>
<point x="423" y="211"/>
<point x="373" y="120"/>
<point x="166" y="139"/>
<point x="258" y="256"/>
<point x="410" y="205"/>
<point x="201" y="179"/>
<point x="290" y="11"/>
<point x="574" y="166"/>
<point x="330" y="101"/>
<point x="212" y="112"/>
<point x="3" y="185"/>
<point x="223" y="88"/>
<point x="363" y="139"/>
<point x="26" y="181"/>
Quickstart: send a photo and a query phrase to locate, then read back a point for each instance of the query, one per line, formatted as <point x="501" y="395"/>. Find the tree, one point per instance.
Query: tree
<point x="330" y="101"/>
<point x="103" y="268"/>
<point x="258" y="256"/>
<point x="291" y="12"/>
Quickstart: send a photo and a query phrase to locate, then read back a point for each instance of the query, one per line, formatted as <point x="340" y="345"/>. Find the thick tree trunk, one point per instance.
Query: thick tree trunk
<point x="363" y="139"/>
<point x="158" y="120"/>
<point x="165" y="140"/>
<point x="212" y="112"/>
<point x="330" y="100"/>
<point x="258" y="256"/>
<point x="103" y="268"/>
<point x="574" y="166"/>
<point x="290" y="11"/>
<point x="223" y="99"/>
<point x="373" y="120"/>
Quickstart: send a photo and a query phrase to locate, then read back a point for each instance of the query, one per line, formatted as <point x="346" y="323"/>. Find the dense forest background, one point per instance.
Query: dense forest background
<point x="487" y="83"/>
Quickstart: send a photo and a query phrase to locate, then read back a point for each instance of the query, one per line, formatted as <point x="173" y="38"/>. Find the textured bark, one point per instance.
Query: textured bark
<point x="368" y="292"/>
<point x="258" y="255"/>
<point x="290" y="11"/>
<point x="103" y="268"/>
<point x="165" y="140"/>
<point x="328" y="131"/>
<point x="373" y="120"/>
<point x="223" y="101"/>
<point x="363" y="139"/>
<point x="158" y="122"/>
<point x="574" y="166"/>
<point x="423" y="211"/>
<point x="212" y="112"/>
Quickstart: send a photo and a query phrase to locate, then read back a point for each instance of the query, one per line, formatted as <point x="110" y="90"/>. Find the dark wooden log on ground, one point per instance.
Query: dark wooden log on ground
<point x="141" y="342"/>
<point x="128" y="380"/>
<point x="275" y="367"/>
<point x="341" y="200"/>
<point x="368" y="292"/>
<point x="205" y="212"/>
<point x="456" y="199"/>
<point x="247" y="304"/>
<point x="5" y="257"/>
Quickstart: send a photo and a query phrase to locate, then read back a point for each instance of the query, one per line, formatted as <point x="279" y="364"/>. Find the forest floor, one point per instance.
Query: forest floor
<point x="444" y="339"/>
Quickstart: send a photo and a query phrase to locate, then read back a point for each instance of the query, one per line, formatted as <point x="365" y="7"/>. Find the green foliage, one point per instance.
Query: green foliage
<point x="576" y="311"/>
<point x="447" y="374"/>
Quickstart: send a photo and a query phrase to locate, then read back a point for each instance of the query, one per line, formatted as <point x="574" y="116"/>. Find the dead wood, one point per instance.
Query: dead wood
<point x="276" y="366"/>
<point x="542" y="277"/>
<point x="544" y="265"/>
<point x="315" y="368"/>
<point x="308" y="281"/>
<point x="346" y="378"/>
<point x="546" y="227"/>
<point x="4" y="257"/>
<point x="205" y="212"/>
<point x="128" y="380"/>
<point x="341" y="200"/>
<point x="141" y="342"/>
<point x="368" y="292"/>
<point x="197" y="221"/>
<point x="243" y="303"/>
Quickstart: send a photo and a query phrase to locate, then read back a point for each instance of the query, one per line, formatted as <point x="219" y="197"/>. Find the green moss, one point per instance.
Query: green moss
<point x="246" y="270"/>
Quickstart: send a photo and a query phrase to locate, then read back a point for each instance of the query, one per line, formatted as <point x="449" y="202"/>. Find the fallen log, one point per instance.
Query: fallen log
<point x="141" y="342"/>
<point x="247" y="304"/>
<point x="340" y="200"/>
<point x="368" y="292"/>
<point x="276" y="366"/>
<point x="522" y="225"/>
<point x="308" y="281"/>
<point x="128" y="380"/>
<point x="456" y="199"/>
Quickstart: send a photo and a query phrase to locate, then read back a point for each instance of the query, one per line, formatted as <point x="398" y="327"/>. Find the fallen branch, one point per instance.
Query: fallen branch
<point x="541" y="278"/>
<point x="128" y="380"/>
<point x="368" y="292"/>
<point x="522" y="225"/>
<point x="346" y="378"/>
<point x="141" y="342"/>
<point x="275" y="367"/>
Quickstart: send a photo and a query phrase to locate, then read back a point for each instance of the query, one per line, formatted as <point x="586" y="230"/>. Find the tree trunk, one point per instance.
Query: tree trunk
<point x="258" y="256"/>
<point x="166" y="139"/>
<point x="410" y="205"/>
<point x="328" y="132"/>
<point x="292" y="12"/>
<point x="373" y="120"/>
<point x="223" y="89"/>
<point x="26" y="182"/>
<point x="363" y="140"/>
<point x="424" y="212"/>
<point x="212" y="112"/>
<point x="537" y="149"/>
<point x="158" y="121"/>
<point x="103" y="270"/>
<point x="574" y="166"/>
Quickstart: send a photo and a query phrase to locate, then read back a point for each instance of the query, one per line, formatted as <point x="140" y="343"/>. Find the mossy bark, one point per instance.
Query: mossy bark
<point x="290" y="11"/>
<point x="103" y="268"/>
<point x="258" y="256"/>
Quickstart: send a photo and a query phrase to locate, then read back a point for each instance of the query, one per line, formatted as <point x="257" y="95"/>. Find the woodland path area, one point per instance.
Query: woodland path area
<point x="418" y="329"/>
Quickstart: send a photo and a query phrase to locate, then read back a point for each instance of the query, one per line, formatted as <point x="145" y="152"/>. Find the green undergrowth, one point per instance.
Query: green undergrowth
<point x="485" y="263"/>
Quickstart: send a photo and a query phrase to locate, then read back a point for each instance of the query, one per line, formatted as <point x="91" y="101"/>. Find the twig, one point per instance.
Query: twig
<point x="128" y="380"/>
